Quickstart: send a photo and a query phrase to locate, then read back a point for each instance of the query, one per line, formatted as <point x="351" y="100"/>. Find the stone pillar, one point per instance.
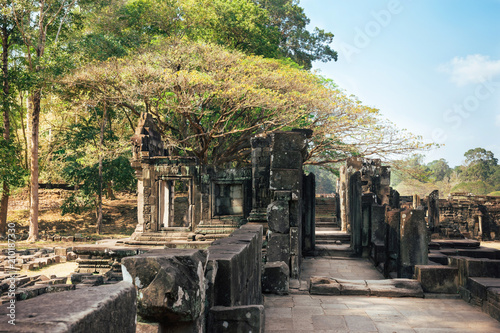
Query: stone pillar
<point x="394" y="199"/>
<point x="354" y="211"/>
<point x="433" y="209"/>
<point x="367" y="201"/>
<point x="378" y="234"/>
<point x="309" y="223"/>
<point x="393" y="220"/>
<point x="261" y="161"/>
<point x="285" y="183"/>
<point x="384" y="190"/>
<point x="416" y="201"/>
<point x="342" y="194"/>
<point x="414" y="242"/>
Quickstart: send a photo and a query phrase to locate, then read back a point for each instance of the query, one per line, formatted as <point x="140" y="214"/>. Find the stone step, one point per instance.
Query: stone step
<point x="320" y="223"/>
<point x="325" y="219"/>
<point x="332" y="236"/>
<point x="333" y="250"/>
<point x="380" y="288"/>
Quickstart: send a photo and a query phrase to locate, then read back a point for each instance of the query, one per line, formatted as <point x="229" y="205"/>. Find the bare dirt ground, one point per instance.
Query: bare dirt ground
<point x="119" y="217"/>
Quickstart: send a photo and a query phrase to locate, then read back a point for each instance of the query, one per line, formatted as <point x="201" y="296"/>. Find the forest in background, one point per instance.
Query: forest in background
<point x="478" y="175"/>
<point x="76" y="75"/>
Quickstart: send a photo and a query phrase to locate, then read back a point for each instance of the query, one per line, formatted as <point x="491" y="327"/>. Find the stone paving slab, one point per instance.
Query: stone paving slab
<point x="339" y="268"/>
<point x="304" y="313"/>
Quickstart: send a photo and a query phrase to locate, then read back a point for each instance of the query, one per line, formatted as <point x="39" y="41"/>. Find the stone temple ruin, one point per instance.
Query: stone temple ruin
<point x="210" y="242"/>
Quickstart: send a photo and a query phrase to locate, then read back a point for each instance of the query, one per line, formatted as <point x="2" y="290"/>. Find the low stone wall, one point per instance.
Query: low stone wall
<point x="189" y="290"/>
<point x="105" y="309"/>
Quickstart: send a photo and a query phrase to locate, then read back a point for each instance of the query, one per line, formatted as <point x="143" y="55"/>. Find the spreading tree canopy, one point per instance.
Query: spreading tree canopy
<point x="209" y="101"/>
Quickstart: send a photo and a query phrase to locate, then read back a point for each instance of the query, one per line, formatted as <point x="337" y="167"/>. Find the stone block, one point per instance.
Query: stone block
<point x="60" y="251"/>
<point x="287" y="141"/>
<point x="104" y="309"/>
<point x="169" y="283"/>
<point x="353" y="287"/>
<point x="236" y="319"/>
<point x="414" y="242"/>
<point x="78" y="277"/>
<point x="395" y="288"/>
<point x="286" y="160"/>
<point x="324" y="286"/>
<point x="285" y="179"/>
<point x="478" y="286"/>
<point x="234" y="268"/>
<point x="437" y="279"/>
<point x="275" y="278"/>
<point x="278" y="216"/>
<point x="278" y="247"/>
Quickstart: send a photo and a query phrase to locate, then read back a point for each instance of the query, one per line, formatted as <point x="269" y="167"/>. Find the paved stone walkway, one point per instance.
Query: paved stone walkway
<point x="341" y="268"/>
<point x="328" y="314"/>
<point x="299" y="313"/>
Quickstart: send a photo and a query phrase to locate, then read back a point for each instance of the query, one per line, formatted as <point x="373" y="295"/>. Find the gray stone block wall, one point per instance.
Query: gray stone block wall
<point x="102" y="309"/>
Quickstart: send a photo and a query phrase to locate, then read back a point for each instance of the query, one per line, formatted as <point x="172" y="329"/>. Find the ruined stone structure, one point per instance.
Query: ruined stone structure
<point x="395" y="239"/>
<point x="181" y="200"/>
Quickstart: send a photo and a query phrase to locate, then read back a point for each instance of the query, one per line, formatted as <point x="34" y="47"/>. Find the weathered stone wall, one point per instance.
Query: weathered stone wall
<point x="102" y="309"/>
<point x="184" y="289"/>
<point x="284" y="213"/>
<point x="463" y="215"/>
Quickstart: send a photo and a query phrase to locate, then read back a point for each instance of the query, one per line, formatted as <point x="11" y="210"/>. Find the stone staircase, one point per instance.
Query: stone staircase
<point x="330" y="241"/>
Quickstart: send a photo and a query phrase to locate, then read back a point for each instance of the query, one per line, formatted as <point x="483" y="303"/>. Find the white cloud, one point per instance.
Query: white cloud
<point x="472" y="69"/>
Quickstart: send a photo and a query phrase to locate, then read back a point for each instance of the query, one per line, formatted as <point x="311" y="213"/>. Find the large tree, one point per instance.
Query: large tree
<point x="209" y="101"/>
<point x="272" y="28"/>
<point x="36" y="20"/>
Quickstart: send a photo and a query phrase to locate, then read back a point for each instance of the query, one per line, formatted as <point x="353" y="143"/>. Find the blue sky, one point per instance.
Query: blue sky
<point x="431" y="66"/>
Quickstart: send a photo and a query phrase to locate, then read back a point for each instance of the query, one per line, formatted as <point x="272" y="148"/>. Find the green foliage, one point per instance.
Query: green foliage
<point x="116" y="172"/>
<point x="480" y="165"/>
<point x="478" y="187"/>
<point x="326" y="181"/>
<point x="439" y="169"/>
<point x="295" y="41"/>
<point x="271" y="28"/>
<point x="11" y="171"/>
<point x="80" y="150"/>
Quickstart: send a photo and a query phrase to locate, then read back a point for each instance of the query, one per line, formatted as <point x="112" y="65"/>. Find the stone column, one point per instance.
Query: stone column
<point x="261" y="162"/>
<point x="433" y="209"/>
<point x="393" y="220"/>
<point x="367" y="201"/>
<point x="416" y="201"/>
<point x="414" y="242"/>
<point x="378" y="234"/>
<point x="354" y="211"/>
<point x="309" y="223"/>
<point x="286" y="181"/>
<point x="342" y="194"/>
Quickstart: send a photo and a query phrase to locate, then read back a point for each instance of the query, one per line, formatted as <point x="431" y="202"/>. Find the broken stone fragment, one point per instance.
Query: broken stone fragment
<point x="324" y="286"/>
<point x="275" y="278"/>
<point x="170" y="284"/>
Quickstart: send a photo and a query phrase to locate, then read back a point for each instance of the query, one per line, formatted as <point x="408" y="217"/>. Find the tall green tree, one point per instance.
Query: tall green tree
<point x="39" y="23"/>
<point x="480" y="164"/>
<point x="439" y="169"/>
<point x="95" y="158"/>
<point x="294" y="40"/>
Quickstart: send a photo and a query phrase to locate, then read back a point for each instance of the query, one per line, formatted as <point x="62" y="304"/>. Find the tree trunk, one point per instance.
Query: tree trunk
<point x="99" y="195"/>
<point x="35" y="122"/>
<point x="109" y="191"/>
<point x="4" y="205"/>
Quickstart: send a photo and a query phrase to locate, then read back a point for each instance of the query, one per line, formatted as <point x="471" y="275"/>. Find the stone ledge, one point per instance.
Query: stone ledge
<point x="381" y="288"/>
<point x="104" y="309"/>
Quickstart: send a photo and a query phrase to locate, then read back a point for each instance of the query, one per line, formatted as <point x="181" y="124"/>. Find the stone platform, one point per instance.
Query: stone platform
<point x="301" y="312"/>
